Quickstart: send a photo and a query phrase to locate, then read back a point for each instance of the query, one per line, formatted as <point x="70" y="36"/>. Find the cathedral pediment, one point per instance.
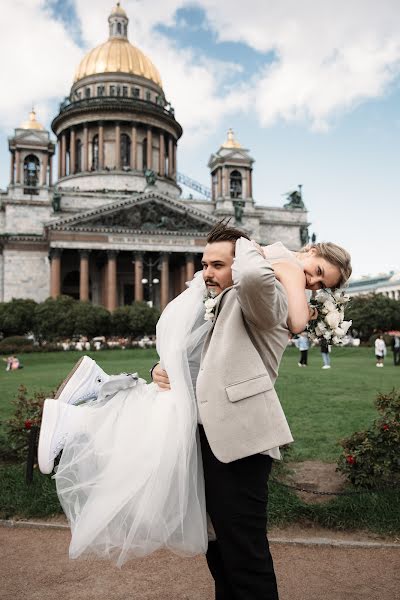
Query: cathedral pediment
<point x="146" y="213"/>
<point x="31" y="136"/>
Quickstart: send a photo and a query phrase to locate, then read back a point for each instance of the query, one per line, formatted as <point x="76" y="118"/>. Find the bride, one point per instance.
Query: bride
<point x="130" y="477"/>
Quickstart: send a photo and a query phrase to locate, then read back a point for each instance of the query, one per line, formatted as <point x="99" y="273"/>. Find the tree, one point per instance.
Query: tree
<point x="90" y="319"/>
<point x="373" y="312"/>
<point x="135" y="320"/>
<point x="17" y="316"/>
<point x="54" y="318"/>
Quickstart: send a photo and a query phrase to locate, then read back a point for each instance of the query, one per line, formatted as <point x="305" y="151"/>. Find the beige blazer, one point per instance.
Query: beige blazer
<point x="237" y="402"/>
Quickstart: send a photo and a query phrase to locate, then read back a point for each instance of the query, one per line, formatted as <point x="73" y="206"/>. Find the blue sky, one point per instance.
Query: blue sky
<point x="313" y="94"/>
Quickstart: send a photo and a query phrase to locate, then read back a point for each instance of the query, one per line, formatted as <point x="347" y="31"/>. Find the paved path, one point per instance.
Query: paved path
<point x="34" y="565"/>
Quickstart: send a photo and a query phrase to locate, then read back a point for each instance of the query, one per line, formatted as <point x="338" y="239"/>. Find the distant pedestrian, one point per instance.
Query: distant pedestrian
<point x="324" y="346"/>
<point x="380" y="351"/>
<point x="396" y="350"/>
<point x="303" y="345"/>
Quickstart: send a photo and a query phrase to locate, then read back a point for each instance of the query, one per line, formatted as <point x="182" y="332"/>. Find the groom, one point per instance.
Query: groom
<point x="241" y="422"/>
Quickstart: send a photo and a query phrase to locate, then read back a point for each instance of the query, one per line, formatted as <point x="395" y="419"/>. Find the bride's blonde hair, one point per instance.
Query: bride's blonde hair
<point x="335" y="255"/>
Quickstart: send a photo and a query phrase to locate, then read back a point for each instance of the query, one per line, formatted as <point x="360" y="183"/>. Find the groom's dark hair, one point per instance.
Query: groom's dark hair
<point x="223" y="232"/>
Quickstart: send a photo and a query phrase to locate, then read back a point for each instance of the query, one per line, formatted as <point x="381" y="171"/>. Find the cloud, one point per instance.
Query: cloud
<point x="38" y="61"/>
<point x="327" y="57"/>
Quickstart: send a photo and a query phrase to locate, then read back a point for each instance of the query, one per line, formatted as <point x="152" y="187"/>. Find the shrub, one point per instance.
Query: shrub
<point x="18" y="341"/>
<point x="54" y="318"/>
<point x="27" y="414"/>
<point x="371" y="458"/>
<point x="135" y="320"/>
<point x="90" y="319"/>
<point x="16" y="316"/>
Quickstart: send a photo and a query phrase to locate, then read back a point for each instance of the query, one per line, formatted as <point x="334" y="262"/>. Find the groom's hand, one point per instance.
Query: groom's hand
<point x="160" y="377"/>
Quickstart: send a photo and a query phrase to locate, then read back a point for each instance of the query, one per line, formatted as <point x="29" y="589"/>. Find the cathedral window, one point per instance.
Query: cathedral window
<point x="87" y="92"/>
<point x="100" y="90"/>
<point x="148" y="95"/>
<point x="125" y="150"/>
<point x="125" y="90"/>
<point x="118" y="90"/>
<point x="112" y="90"/>
<point x="136" y="92"/>
<point x="78" y="156"/>
<point x="31" y="174"/>
<point x="95" y="153"/>
<point x="235" y="185"/>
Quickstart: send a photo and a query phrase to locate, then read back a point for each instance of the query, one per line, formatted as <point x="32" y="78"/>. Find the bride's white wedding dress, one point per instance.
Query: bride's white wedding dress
<point x="130" y="478"/>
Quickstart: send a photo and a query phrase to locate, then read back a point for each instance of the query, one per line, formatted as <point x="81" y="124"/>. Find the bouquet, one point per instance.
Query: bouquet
<point x="330" y="323"/>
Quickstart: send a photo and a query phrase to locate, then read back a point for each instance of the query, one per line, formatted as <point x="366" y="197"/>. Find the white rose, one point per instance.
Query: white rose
<point x="320" y="329"/>
<point x="333" y="319"/>
<point x="339" y="332"/>
<point x="208" y="316"/>
<point x="322" y="296"/>
<point x="327" y="335"/>
<point x="329" y="306"/>
<point x="345" y="325"/>
<point x="336" y="340"/>
<point x="209" y="303"/>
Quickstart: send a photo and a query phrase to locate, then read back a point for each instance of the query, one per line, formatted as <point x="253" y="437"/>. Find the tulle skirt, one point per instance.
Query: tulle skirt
<point x="130" y="478"/>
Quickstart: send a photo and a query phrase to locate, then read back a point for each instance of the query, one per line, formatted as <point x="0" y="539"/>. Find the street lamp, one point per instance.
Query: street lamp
<point x="151" y="282"/>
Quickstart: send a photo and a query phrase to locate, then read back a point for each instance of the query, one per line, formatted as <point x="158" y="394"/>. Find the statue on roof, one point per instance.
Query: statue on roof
<point x="295" y="199"/>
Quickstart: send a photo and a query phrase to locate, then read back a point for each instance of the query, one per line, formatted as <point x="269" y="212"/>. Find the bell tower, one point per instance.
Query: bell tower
<point x="231" y="178"/>
<point x="31" y="158"/>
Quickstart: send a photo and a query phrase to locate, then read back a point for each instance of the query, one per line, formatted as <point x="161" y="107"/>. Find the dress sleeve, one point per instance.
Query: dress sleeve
<point x="261" y="297"/>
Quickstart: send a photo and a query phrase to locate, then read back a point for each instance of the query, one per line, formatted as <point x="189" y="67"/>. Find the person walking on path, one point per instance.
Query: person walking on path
<point x="396" y="350"/>
<point x="380" y="350"/>
<point x="303" y="345"/>
<point x="324" y="346"/>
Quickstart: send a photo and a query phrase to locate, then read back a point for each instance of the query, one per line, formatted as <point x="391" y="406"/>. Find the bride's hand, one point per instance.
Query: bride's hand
<point x="160" y="377"/>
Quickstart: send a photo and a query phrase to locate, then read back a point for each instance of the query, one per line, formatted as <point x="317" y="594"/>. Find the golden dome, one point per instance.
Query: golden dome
<point x="118" y="11"/>
<point x="230" y="141"/>
<point x="117" y="55"/>
<point x="32" y="123"/>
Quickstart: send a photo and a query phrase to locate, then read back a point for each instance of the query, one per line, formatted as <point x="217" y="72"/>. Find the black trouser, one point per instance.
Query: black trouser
<point x="236" y="500"/>
<point x="303" y="357"/>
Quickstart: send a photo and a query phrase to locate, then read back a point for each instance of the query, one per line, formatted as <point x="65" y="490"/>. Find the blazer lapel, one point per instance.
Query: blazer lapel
<point x="210" y="331"/>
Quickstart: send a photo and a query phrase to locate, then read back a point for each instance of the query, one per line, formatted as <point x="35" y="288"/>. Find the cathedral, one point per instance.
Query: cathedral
<point x="109" y="223"/>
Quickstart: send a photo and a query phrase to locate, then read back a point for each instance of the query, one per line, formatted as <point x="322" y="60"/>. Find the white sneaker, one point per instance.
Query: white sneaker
<point x="326" y="367"/>
<point x="299" y="364"/>
<point x="53" y="432"/>
<point x="82" y="383"/>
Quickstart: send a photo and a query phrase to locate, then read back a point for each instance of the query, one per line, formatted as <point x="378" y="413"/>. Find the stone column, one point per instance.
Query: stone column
<point x="174" y="161"/>
<point x="50" y="170"/>
<point x="226" y="183"/>
<point x="85" y="148"/>
<point x="219" y="182"/>
<point x="84" y="275"/>
<point x="43" y="173"/>
<point x="170" y="156"/>
<point x="118" y="146"/>
<point x="72" y="149"/>
<point x="55" y="272"/>
<point x="183" y="277"/>
<point x="134" y="148"/>
<point x="149" y="148"/>
<point x="164" y="280"/>
<point x="63" y="154"/>
<point x="249" y="184"/>
<point x="17" y="166"/>
<point x="101" y="146"/>
<point x="12" y="169"/>
<point x="59" y="154"/>
<point x="138" y="259"/>
<point x="111" y="280"/>
<point x="189" y="266"/>
<point x="161" y="157"/>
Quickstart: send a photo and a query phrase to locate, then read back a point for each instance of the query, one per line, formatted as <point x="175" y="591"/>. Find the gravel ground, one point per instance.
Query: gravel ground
<point x="35" y="566"/>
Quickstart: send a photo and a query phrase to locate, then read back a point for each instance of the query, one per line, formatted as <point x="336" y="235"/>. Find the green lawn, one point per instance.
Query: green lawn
<point x="322" y="406"/>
